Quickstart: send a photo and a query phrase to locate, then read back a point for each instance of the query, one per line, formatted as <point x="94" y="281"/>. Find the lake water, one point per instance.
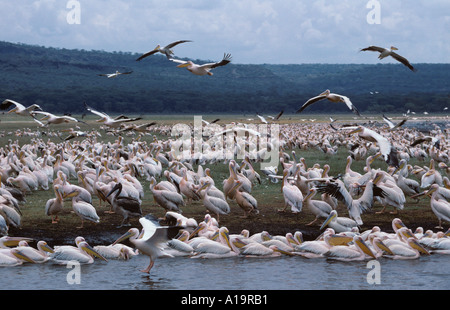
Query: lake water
<point x="238" y="273"/>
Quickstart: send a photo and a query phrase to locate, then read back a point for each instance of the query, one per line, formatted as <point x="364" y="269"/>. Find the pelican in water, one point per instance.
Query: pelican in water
<point x="151" y="241"/>
<point x="166" y="50"/>
<point x="387" y="150"/>
<point x="331" y="97"/>
<point x="83" y="253"/>
<point x="124" y="205"/>
<point x="410" y="249"/>
<point x="204" y="69"/>
<point x="19" y="108"/>
<point x="339" y="224"/>
<point x="83" y="209"/>
<point x="39" y="255"/>
<point x="439" y="206"/>
<point x="360" y="251"/>
<point x="115" y="74"/>
<point x="385" y="52"/>
<point x="13" y="257"/>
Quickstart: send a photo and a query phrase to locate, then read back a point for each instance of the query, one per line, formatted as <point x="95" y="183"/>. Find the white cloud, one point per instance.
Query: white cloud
<point x="254" y="31"/>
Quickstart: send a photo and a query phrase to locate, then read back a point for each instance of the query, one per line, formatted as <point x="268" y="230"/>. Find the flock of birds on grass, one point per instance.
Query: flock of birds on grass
<point x="78" y="170"/>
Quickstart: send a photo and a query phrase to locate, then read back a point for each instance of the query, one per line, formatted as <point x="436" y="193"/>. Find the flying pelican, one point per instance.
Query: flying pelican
<point x="393" y="126"/>
<point x="83" y="209"/>
<point x="108" y="121"/>
<point x="83" y="253"/>
<point x="115" y="74"/>
<point x="346" y="253"/>
<point x="166" y="50"/>
<point x="385" y="52"/>
<point x="19" y="108"/>
<point x="204" y="69"/>
<point x="152" y="239"/>
<point x="434" y="141"/>
<point x="439" y="206"/>
<point x="54" y="119"/>
<point x="124" y="205"/>
<point x="387" y="150"/>
<point x="333" y="98"/>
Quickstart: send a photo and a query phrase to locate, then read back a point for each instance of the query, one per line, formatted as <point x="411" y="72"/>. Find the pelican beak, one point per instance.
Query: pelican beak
<point x="416" y="245"/>
<point x="355" y="131"/>
<point x="88" y="249"/>
<point x="328" y="220"/>
<point x="17" y="253"/>
<point x="14" y="241"/>
<point x="225" y="235"/>
<point x="431" y="191"/>
<point x="183" y="65"/>
<point x="399" y="224"/>
<point x="70" y="195"/>
<point x="383" y="247"/>
<point x="282" y="251"/>
<point x="196" y="230"/>
<point x="13" y="110"/>
<point x="125" y="236"/>
<point x="47" y="248"/>
<point x="363" y="246"/>
<point x="311" y="192"/>
<point x="339" y="240"/>
<point x="239" y="243"/>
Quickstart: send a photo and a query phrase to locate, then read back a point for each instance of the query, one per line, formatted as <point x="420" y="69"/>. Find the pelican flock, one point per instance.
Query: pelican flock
<point x="141" y="173"/>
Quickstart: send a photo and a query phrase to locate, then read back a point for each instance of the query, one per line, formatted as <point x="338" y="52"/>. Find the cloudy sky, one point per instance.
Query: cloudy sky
<point x="253" y="31"/>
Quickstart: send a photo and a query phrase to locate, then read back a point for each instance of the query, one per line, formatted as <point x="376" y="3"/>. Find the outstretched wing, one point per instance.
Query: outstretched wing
<point x="176" y="43"/>
<point x="373" y="48"/>
<point x="403" y="60"/>
<point x="226" y="60"/>
<point x="310" y="102"/>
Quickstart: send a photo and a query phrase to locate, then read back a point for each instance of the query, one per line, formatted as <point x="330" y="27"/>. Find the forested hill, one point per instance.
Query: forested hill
<point x="60" y="80"/>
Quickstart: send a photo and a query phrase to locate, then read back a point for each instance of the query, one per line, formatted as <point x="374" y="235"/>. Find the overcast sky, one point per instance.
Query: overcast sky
<point x="253" y="31"/>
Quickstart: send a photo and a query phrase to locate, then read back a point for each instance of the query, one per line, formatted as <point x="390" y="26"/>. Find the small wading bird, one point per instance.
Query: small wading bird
<point x="204" y="69"/>
<point x="167" y="50"/>
<point x="151" y="241"/>
<point x="333" y="98"/>
<point x="385" y="52"/>
<point x="115" y="74"/>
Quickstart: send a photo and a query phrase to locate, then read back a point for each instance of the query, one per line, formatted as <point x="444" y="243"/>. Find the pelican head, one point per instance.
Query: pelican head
<point x="88" y="249"/>
<point x="397" y="224"/>
<point x="363" y="246"/>
<point x="412" y="242"/>
<point x="333" y="214"/>
<point x="187" y="64"/>
<point x="132" y="232"/>
<point x="393" y="48"/>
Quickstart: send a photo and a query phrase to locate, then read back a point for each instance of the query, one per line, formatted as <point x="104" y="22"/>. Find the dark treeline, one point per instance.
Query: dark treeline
<point x="60" y="80"/>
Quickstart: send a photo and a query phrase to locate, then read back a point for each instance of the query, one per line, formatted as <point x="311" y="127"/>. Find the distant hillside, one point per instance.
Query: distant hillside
<point x="60" y="80"/>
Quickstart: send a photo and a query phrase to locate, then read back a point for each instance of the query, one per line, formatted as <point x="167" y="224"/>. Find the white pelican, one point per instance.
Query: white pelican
<point x="173" y="218"/>
<point x="331" y="97"/>
<point x="83" y="253"/>
<point x="124" y="205"/>
<point x="38" y="256"/>
<point x="339" y="224"/>
<point x="13" y="257"/>
<point x="83" y="209"/>
<point x="293" y="197"/>
<point x="410" y="249"/>
<point x="19" y="108"/>
<point x="346" y="253"/>
<point x="393" y="126"/>
<point x="3" y="226"/>
<point x="151" y="241"/>
<point x="55" y="205"/>
<point x="439" y="206"/>
<point x="55" y="119"/>
<point x="434" y="141"/>
<point x="118" y="251"/>
<point x="213" y="204"/>
<point x="204" y="69"/>
<point x="245" y="200"/>
<point x="216" y="249"/>
<point x="115" y="74"/>
<point x="108" y="121"/>
<point x="168" y="199"/>
<point x="166" y="50"/>
<point x="315" y="248"/>
<point x="385" y="52"/>
<point x="388" y="151"/>
<point x="319" y="208"/>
